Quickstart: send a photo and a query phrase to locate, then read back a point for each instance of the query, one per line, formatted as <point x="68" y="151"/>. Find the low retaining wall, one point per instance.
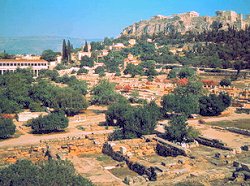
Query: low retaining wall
<point x="133" y="165"/>
<point x="166" y="148"/>
<point x="212" y="143"/>
<point x="238" y="131"/>
<point x="68" y="146"/>
<point x="243" y="110"/>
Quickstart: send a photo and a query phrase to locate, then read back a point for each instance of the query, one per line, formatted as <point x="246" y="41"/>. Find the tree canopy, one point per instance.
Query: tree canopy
<point x="7" y="128"/>
<point x="51" y="172"/>
<point x="53" y="122"/>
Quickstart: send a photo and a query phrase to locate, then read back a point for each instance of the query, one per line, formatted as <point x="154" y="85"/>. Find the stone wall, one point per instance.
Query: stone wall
<point x="61" y="148"/>
<point x="166" y="148"/>
<point x="133" y="164"/>
<point x="212" y="143"/>
<point x="239" y="131"/>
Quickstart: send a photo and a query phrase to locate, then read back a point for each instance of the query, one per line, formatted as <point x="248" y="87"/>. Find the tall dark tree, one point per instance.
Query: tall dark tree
<point x="69" y="49"/>
<point x="86" y="47"/>
<point x="64" y="50"/>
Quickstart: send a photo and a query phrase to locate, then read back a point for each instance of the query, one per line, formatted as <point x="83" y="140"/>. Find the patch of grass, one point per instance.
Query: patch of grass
<point x="240" y="123"/>
<point x="80" y="127"/>
<point x="103" y="158"/>
<point x="122" y="172"/>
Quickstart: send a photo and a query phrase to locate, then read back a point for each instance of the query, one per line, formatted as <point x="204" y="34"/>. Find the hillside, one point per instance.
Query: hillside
<point x="187" y="22"/>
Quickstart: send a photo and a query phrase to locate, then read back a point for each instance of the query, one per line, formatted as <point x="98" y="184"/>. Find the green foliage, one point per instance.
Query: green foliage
<point x="7" y="128"/>
<point x="51" y="123"/>
<point x="60" y="66"/>
<point x="64" y="51"/>
<point x="96" y="46"/>
<point x="52" y="172"/>
<point x="173" y="73"/>
<point x="86" y="48"/>
<point x="87" y="61"/>
<point x="187" y="105"/>
<point x="99" y="70"/>
<point x="178" y="130"/>
<point x="9" y="106"/>
<point x="49" y="55"/>
<point x="104" y="94"/>
<point x="65" y="99"/>
<point x="133" y="70"/>
<point x="113" y="60"/>
<point x="185" y="99"/>
<point x="225" y="82"/>
<point x="51" y="74"/>
<point x="4" y="55"/>
<point x="82" y="71"/>
<point x="213" y="105"/>
<point x="186" y="72"/>
<point x="36" y="107"/>
<point x="134" y="121"/>
<point x="75" y="84"/>
<point x="193" y="87"/>
<point x="15" y="87"/>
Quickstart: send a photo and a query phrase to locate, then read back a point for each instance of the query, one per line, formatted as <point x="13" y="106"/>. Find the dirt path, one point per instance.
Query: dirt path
<point x="231" y="139"/>
<point x="92" y="169"/>
<point x="31" y="139"/>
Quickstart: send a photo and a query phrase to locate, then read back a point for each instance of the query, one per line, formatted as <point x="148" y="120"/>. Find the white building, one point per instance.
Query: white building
<point x="10" y="65"/>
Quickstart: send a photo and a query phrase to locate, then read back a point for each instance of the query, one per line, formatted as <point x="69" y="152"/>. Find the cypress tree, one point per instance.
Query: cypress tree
<point x="69" y="51"/>
<point x="64" y="50"/>
<point x="86" y="48"/>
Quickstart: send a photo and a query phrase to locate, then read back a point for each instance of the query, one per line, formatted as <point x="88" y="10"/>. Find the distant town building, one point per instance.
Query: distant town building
<point x="118" y="46"/>
<point x="10" y="65"/>
<point x="81" y="54"/>
<point x="132" y="42"/>
<point x="131" y="60"/>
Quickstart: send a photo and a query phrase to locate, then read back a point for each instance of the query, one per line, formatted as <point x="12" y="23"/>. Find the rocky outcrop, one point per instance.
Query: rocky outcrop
<point x="185" y="22"/>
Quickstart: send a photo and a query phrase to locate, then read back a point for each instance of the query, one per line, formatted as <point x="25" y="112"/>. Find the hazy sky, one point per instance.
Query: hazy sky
<point x="96" y="18"/>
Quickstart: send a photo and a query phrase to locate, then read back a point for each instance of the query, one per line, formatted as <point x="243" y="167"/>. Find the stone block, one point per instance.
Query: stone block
<point x="245" y="167"/>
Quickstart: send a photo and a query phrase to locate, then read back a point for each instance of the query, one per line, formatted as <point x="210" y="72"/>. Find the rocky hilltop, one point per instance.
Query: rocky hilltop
<point x="185" y="22"/>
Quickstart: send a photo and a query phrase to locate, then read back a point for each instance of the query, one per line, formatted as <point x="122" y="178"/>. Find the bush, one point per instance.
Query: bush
<point x="82" y="71"/>
<point x="9" y="106"/>
<point x="104" y="94"/>
<point x="225" y="82"/>
<point x="36" y="107"/>
<point x="99" y="70"/>
<point x="60" y="67"/>
<point x="51" y="172"/>
<point x="213" y="105"/>
<point x="178" y="130"/>
<point x="53" y="122"/>
<point x="52" y="74"/>
<point x="7" y="128"/>
<point x="87" y="61"/>
<point x="134" y="121"/>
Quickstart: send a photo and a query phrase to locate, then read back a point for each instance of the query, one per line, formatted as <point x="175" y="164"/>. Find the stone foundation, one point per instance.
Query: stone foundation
<point x="238" y="131"/>
<point x="212" y="143"/>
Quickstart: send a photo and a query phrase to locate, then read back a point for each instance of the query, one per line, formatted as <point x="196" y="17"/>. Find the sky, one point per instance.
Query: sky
<point x="96" y="19"/>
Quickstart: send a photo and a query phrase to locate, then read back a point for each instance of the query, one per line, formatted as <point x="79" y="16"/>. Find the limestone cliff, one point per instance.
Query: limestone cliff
<point x="190" y="21"/>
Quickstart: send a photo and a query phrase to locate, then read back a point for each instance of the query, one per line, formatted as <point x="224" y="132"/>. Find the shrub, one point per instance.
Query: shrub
<point x="178" y="130"/>
<point x="104" y="94"/>
<point x="51" y="172"/>
<point x="7" y="128"/>
<point x="53" y="122"/>
<point x="225" y="82"/>
<point x="213" y="105"/>
<point x="82" y="71"/>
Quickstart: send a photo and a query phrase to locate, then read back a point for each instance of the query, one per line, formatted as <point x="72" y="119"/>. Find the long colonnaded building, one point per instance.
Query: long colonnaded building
<point x="10" y="65"/>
